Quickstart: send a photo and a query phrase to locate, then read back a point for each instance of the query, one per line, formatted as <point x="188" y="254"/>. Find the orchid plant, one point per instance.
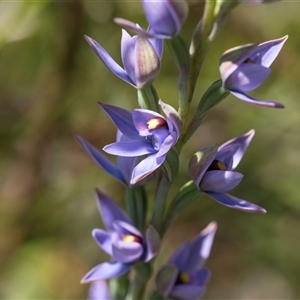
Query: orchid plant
<point x="148" y="145"/>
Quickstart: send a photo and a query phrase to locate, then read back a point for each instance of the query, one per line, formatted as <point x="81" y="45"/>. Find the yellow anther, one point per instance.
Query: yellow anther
<point x="221" y="165"/>
<point x="156" y="123"/>
<point x="184" y="277"/>
<point x="128" y="238"/>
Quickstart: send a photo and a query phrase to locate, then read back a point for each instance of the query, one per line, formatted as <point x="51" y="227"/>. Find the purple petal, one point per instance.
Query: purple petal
<point x="128" y="54"/>
<point x="233" y="58"/>
<point x="106" y="270"/>
<point x="101" y="160"/>
<point x="130" y="149"/>
<point x="220" y="181"/>
<point x="181" y="256"/>
<point x="144" y="168"/>
<point x="172" y="117"/>
<point x="236" y="203"/>
<point x="165" y="17"/>
<point x="199" y="248"/>
<point x="226" y="154"/>
<point x="247" y="77"/>
<point x="122" y="119"/>
<point x="256" y="101"/>
<point x="166" y="279"/>
<point x="200" y="162"/>
<point x="243" y="142"/>
<point x="200" y="277"/>
<point x="127" y="252"/>
<point x="167" y="144"/>
<point x="108" y="61"/>
<point x="140" y="118"/>
<point x="266" y="52"/>
<point x="110" y="211"/>
<point x="103" y="239"/>
<point x="187" y="291"/>
<point x="152" y="242"/>
<point x="147" y="62"/>
<point x="138" y="30"/>
<point x="99" y="291"/>
<point x="158" y="45"/>
<point x="126" y="228"/>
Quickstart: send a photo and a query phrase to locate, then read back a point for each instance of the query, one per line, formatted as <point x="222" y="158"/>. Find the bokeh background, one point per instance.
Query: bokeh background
<point x="50" y="82"/>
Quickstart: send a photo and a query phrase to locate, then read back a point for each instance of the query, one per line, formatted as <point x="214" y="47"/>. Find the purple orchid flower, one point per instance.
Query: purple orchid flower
<point x="121" y="240"/>
<point x="140" y="56"/>
<point x="99" y="291"/>
<point x="164" y="17"/>
<point x="122" y="171"/>
<point x="149" y="133"/>
<point x="244" y="68"/>
<point x="212" y="171"/>
<point x="183" y="277"/>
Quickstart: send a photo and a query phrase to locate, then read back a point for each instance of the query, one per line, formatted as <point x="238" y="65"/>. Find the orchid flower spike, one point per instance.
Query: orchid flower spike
<point x="183" y="277"/>
<point x="244" y="68"/>
<point x="148" y="133"/>
<point x="121" y="240"/>
<point x="212" y="171"/>
<point x="165" y="18"/>
<point x="140" y="56"/>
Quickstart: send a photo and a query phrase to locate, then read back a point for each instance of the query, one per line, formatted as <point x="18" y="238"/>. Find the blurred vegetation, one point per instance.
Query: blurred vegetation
<point x="50" y="82"/>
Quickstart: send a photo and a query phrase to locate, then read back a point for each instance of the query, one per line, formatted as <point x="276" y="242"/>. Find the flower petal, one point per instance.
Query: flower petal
<point x="110" y="211"/>
<point x="181" y="256"/>
<point x="141" y="117"/>
<point x="106" y="270"/>
<point x="200" y="277"/>
<point x="172" y="117"/>
<point x="152" y="242"/>
<point x="125" y="228"/>
<point x="165" y="17"/>
<point x="130" y="149"/>
<point x="187" y="291"/>
<point x="99" y="291"/>
<point x="266" y="52"/>
<point x="199" y="248"/>
<point x="167" y="144"/>
<point x="108" y="61"/>
<point x="144" y="168"/>
<point x="236" y="203"/>
<point x="220" y="181"/>
<point x="256" y="101"/>
<point x="158" y="45"/>
<point x="147" y="62"/>
<point x="127" y="252"/>
<point x="101" y="160"/>
<point x="128" y="54"/>
<point x="200" y="162"/>
<point x="247" y="77"/>
<point x="122" y="119"/>
<point x="103" y="239"/>
<point x="243" y="142"/>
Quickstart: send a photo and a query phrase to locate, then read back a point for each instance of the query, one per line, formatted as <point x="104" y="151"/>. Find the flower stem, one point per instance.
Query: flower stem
<point x="143" y="272"/>
<point x="148" y="98"/>
<point x="160" y="203"/>
<point x="136" y="204"/>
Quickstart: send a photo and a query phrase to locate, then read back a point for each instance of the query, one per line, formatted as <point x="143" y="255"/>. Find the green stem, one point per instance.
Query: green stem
<point x="199" y="48"/>
<point x="148" y="98"/>
<point x="136" y="205"/>
<point x="143" y="272"/>
<point x="160" y="203"/>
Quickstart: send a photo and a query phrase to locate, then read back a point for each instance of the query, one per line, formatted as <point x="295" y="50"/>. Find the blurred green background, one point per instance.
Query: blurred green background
<point x="50" y="82"/>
